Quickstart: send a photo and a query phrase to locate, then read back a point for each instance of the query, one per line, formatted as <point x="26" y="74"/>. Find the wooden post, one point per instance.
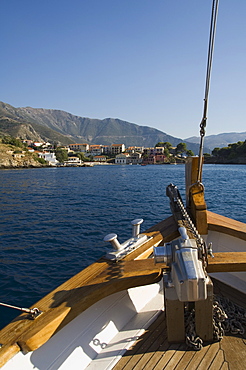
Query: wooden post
<point x="204" y="315"/>
<point x="174" y="314"/>
<point x="175" y="321"/>
<point x="191" y="173"/>
<point x="195" y="201"/>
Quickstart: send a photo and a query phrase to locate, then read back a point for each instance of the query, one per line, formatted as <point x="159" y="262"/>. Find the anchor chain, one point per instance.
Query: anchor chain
<point x="192" y="339"/>
<point x="228" y="317"/>
<point x="235" y="321"/>
<point x="176" y="202"/>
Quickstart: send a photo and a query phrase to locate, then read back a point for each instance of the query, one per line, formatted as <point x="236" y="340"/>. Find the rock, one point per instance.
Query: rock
<point x="8" y="159"/>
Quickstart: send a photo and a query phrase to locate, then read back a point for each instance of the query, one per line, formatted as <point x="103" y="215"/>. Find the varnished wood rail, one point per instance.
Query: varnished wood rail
<point x="226" y="225"/>
<point x="222" y="262"/>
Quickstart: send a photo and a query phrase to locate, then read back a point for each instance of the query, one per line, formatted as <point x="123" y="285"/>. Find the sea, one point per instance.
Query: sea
<point x="53" y="220"/>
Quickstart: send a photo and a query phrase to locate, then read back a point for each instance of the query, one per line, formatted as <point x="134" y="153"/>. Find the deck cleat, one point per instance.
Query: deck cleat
<point x="121" y="250"/>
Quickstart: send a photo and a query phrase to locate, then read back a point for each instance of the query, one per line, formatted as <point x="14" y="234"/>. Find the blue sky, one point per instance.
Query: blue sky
<point x="143" y="61"/>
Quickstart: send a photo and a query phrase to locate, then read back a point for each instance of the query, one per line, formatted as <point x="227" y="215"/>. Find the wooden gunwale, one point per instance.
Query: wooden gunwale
<point x="97" y="281"/>
<point x="226" y="225"/>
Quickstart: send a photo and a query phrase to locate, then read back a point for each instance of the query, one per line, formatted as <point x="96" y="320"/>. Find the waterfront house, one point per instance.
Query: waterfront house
<point x="49" y="157"/>
<point x="134" y="158"/>
<point x="154" y="159"/>
<point x="149" y="159"/>
<point x="73" y="161"/>
<point x="100" y="158"/>
<point x="121" y="158"/>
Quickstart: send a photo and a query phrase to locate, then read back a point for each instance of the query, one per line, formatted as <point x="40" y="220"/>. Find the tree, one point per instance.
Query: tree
<point x="190" y="153"/>
<point x="61" y="155"/>
<point x="215" y="152"/>
<point x="82" y="157"/>
<point x="166" y="152"/>
<point x="181" y="148"/>
<point x="164" y="144"/>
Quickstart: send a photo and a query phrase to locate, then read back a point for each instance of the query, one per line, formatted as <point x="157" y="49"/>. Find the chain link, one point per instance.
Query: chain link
<point x="192" y="339"/>
<point x="202" y="249"/>
<point x="228" y="317"/>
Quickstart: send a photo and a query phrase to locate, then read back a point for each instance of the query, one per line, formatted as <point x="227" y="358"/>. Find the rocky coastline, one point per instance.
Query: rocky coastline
<point x="9" y="159"/>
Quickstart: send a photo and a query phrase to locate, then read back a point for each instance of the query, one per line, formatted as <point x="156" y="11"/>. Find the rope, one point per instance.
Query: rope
<point x="203" y="123"/>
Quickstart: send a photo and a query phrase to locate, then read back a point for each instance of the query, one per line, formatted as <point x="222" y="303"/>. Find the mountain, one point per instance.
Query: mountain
<point x="220" y="140"/>
<point x="62" y="127"/>
<point x="18" y="125"/>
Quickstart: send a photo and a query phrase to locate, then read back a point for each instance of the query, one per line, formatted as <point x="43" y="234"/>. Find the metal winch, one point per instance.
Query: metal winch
<point x="186" y="280"/>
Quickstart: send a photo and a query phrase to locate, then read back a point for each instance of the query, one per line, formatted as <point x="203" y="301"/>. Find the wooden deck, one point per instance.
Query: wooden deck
<point x="152" y="351"/>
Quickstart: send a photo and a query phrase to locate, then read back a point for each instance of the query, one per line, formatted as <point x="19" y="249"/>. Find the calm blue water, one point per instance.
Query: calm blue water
<point x="53" y="220"/>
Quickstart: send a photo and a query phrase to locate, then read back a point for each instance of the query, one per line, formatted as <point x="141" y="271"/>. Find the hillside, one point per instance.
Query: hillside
<point x="220" y="140"/>
<point x="14" y="157"/>
<point x="56" y="125"/>
<point x="31" y="131"/>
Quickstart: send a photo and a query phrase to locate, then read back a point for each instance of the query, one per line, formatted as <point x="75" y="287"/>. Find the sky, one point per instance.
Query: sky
<point x="142" y="61"/>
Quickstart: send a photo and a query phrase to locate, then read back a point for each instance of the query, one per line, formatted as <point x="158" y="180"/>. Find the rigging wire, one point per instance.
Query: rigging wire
<point x="214" y="14"/>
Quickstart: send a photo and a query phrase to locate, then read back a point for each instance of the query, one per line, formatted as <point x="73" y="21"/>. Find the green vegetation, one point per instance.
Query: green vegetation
<point x="231" y="152"/>
<point x="83" y="157"/>
<point x="164" y="144"/>
<point x="10" y="140"/>
<point x="61" y="155"/>
<point x="40" y="160"/>
<point x="180" y="149"/>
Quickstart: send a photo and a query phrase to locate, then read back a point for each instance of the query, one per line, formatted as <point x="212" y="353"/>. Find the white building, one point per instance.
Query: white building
<point x="121" y="158"/>
<point x="49" y="157"/>
<point x="73" y="161"/>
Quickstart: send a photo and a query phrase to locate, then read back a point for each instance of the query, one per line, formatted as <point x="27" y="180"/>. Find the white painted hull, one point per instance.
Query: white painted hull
<point x="102" y="333"/>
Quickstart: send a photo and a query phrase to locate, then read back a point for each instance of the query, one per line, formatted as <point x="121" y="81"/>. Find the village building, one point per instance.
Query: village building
<point x="100" y="158"/>
<point x="95" y="150"/>
<point x="49" y="157"/>
<point x="106" y="149"/>
<point x="134" y="158"/>
<point x="121" y="158"/>
<point x="38" y="144"/>
<point x="154" y="159"/>
<point x="73" y="161"/>
<point x="159" y="150"/>
<point x="154" y="151"/>
<point x="117" y="148"/>
<point x="79" y="147"/>
<point x="134" y="149"/>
